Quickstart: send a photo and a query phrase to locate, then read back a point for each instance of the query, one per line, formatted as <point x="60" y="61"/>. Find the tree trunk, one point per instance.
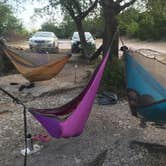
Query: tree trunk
<point x="97" y="53"/>
<point x="82" y="38"/>
<point x="111" y="37"/>
<point x="5" y="64"/>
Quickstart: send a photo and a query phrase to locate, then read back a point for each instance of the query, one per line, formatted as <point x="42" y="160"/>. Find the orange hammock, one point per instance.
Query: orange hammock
<point x="31" y="70"/>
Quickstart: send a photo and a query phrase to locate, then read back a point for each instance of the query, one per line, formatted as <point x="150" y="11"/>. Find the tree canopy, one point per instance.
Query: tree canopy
<point x="78" y="10"/>
<point x="149" y="24"/>
<point x="9" y="24"/>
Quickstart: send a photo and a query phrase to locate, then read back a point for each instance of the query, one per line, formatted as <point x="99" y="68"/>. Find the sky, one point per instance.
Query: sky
<point x="33" y="23"/>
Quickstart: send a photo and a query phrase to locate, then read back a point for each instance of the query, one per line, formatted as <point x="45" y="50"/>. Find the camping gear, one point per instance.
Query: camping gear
<point x="32" y="69"/>
<point x="146" y="86"/>
<point x="107" y="98"/>
<point x="74" y="124"/>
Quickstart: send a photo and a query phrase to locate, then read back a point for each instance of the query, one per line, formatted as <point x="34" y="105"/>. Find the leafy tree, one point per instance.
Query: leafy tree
<point x="157" y="10"/>
<point x="5" y="15"/>
<point x="63" y="30"/>
<point x="66" y="28"/>
<point x="147" y="24"/>
<point x="111" y="9"/>
<point x="94" y="25"/>
<point x="9" y="24"/>
<point x="9" y="27"/>
<point x="129" y="22"/>
<point x="78" y="10"/>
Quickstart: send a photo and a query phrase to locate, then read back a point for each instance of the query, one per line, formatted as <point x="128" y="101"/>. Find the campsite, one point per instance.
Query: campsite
<point x="102" y="104"/>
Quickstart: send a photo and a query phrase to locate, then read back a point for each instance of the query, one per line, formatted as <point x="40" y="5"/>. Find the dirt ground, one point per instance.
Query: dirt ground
<point x="131" y="43"/>
<point x="112" y="137"/>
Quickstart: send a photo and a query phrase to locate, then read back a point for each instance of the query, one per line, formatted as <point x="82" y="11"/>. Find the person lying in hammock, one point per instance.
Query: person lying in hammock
<point x="136" y="100"/>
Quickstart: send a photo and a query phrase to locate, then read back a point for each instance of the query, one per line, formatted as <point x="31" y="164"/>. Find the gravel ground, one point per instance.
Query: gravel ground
<point x="112" y="137"/>
<point x="106" y="140"/>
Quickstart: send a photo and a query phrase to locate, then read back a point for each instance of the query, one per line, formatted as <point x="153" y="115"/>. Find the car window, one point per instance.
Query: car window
<point x="44" y="34"/>
<point x="87" y="36"/>
<point x="75" y="36"/>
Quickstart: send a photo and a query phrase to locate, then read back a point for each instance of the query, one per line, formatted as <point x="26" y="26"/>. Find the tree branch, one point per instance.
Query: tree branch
<point x="119" y="1"/>
<point x="77" y="6"/>
<point x="71" y="11"/>
<point x="84" y="14"/>
<point x="127" y="4"/>
<point x="97" y="53"/>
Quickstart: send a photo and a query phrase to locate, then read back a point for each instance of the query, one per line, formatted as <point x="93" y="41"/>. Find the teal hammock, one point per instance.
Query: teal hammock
<point x="146" y="91"/>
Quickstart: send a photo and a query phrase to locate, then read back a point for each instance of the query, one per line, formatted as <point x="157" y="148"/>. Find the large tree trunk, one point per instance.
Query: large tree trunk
<point x="111" y="37"/>
<point x="82" y="39"/>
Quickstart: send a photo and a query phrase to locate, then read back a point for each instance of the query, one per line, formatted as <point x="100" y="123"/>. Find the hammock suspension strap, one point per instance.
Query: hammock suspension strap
<point x="18" y="101"/>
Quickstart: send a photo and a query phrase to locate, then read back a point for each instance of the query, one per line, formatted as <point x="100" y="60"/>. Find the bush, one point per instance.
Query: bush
<point x="10" y="26"/>
<point x="132" y="29"/>
<point x="146" y="30"/>
<point x="91" y="48"/>
<point x="129" y="22"/>
<point x="113" y="78"/>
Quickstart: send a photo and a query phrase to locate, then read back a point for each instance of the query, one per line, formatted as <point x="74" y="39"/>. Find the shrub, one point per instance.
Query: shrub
<point x="113" y="78"/>
<point x="132" y="29"/>
<point x="146" y="30"/>
<point x="91" y="48"/>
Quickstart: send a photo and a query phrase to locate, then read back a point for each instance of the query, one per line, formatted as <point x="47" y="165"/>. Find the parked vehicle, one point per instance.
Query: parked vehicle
<point x="44" y="41"/>
<point x="75" y="42"/>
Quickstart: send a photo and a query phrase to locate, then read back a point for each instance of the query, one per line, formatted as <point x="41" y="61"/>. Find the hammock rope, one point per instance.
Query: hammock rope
<point x="18" y="101"/>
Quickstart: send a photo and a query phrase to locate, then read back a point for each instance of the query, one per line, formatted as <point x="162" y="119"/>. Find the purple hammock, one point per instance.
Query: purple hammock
<point x="79" y="106"/>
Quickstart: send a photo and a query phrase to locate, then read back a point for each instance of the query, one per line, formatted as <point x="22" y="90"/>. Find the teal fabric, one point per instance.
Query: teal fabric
<point x="144" y="83"/>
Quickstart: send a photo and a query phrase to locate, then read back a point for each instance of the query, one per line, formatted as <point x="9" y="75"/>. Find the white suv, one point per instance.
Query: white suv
<point x="75" y="41"/>
<point x="44" y="41"/>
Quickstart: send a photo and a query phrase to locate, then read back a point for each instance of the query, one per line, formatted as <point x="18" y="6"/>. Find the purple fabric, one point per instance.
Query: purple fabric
<point x="52" y="125"/>
<point x="75" y="123"/>
<point x="70" y="106"/>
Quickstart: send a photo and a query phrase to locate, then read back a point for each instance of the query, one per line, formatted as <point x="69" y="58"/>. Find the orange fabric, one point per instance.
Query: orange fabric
<point x="36" y="73"/>
<point x="15" y="57"/>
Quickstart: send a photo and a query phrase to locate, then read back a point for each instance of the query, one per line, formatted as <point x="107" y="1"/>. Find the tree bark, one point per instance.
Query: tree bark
<point x="82" y="38"/>
<point x="97" y="53"/>
<point x="111" y="36"/>
<point x="5" y="64"/>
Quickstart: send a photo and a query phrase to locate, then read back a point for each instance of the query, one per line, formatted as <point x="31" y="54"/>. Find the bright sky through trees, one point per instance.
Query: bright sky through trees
<point x="31" y="21"/>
